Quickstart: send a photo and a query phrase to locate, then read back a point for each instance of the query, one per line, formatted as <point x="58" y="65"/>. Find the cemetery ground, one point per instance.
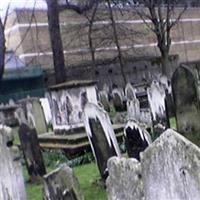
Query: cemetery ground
<point x="84" y="167"/>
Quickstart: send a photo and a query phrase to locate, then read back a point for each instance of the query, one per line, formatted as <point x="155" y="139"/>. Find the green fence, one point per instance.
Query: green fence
<point x="22" y="94"/>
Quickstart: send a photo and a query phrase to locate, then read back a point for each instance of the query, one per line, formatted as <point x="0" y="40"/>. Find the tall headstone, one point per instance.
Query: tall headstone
<point x="124" y="181"/>
<point x="61" y="184"/>
<point x="187" y="105"/>
<point x="171" y="168"/>
<point x="137" y="139"/>
<point x="157" y="101"/>
<point x="32" y="152"/>
<point x="101" y="136"/>
<point x="12" y="185"/>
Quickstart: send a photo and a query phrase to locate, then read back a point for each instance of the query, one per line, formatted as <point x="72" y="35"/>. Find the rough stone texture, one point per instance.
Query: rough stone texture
<point x="187" y="110"/>
<point x="171" y="168"/>
<point x="61" y="184"/>
<point x="124" y="181"/>
<point x="11" y="178"/>
<point x="32" y="152"/>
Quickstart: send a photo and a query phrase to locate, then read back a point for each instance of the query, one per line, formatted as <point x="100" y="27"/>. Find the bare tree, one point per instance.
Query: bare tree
<point x="163" y="16"/>
<point x="2" y="42"/>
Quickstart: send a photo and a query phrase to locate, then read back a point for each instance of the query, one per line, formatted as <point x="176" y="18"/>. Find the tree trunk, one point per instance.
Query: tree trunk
<point x="2" y="49"/>
<point x="116" y="40"/>
<point x="56" y="41"/>
<point x="164" y="62"/>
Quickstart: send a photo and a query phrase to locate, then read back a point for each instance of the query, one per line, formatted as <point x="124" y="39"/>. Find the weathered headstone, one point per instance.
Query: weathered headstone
<point x="101" y="136"/>
<point x="187" y="105"/>
<point x="118" y="99"/>
<point x="130" y="92"/>
<point x="67" y="102"/>
<point x="12" y="185"/>
<point x="32" y="152"/>
<point x="34" y="114"/>
<point x="133" y="109"/>
<point x="171" y="168"/>
<point x="61" y="184"/>
<point x="124" y="181"/>
<point x="136" y="139"/>
<point x="157" y="102"/>
<point x="103" y="98"/>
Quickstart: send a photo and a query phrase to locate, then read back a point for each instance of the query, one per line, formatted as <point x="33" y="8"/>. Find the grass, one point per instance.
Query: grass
<point x="88" y="177"/>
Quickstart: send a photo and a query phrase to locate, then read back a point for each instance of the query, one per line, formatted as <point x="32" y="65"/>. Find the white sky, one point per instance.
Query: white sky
<point x="21" y="4"/>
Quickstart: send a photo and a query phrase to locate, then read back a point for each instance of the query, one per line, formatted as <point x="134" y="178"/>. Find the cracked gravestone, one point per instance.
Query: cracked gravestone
<point x="101" y="136"/>
<point x="171" y="168"/>
<point x="62" y="184"/>
<point x="12" y="185"/>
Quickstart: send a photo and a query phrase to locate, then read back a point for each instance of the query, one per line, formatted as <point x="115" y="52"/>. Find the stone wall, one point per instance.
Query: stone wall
<point x="137" y="70"/>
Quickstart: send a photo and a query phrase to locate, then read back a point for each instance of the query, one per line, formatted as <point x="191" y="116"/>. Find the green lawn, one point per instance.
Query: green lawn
<point x="88" y="177"/>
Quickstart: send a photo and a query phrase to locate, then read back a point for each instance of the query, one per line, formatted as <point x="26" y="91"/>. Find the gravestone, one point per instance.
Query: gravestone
<point x="133" y="109"/>
<point x="124" y="181"/>
<point x="101" y="136"/>
<point x="186" y="101"/>
<point x="171" y="168"/>
<point x="61" y="184"/>
<point x="157" y="102"/>
<point x="130" y="92"/>
<point x="32" y="152"/>
<point x="118" y="99"/>
<point x="12" y="185"/>
<point x="137" y="139"/>
<point x="103" y="98"/>
<point x="67" y="101"/>
<point x="34" y="114"/>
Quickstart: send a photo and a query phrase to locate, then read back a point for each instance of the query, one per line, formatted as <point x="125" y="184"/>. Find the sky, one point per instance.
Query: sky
<point x="21" y="4"/>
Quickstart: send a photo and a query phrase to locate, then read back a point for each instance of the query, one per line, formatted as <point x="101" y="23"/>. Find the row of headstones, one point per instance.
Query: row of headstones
<point x="103" y="143"/>
<point x="58" y="184"/>
<point x="29" y="111"/>
<point x="155" y="113"/>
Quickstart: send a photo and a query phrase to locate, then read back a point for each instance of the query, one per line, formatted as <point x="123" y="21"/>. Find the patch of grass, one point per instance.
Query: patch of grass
<point x="88" y="176"/>
<point x="172" y="122"/>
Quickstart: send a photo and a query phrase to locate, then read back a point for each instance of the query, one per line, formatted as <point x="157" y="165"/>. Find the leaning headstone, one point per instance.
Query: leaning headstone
<point x="32" y="152"/>
<point x="103" y="98"/>
<point x="101" y="136"/>
<point x="137" y="139"/>
<point x="187" y="105"/>
<point x="118" y="99"/>
<point x="12" y="185"/>
<point x="171" y="168"/>
<point x="157" y="101"/>
<point x="124" y="181"/>
<point x="61" y="184"/>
